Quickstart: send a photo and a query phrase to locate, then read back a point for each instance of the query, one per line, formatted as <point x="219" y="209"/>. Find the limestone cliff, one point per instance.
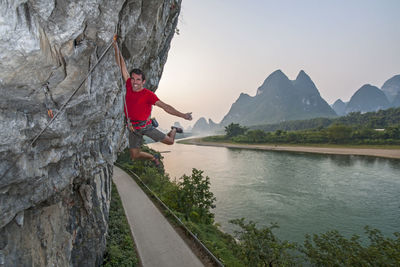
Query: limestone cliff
<point x="54" y="196"/>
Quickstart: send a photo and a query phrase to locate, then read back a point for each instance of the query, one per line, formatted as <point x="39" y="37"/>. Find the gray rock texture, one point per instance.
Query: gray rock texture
<point x="54" y="195"/>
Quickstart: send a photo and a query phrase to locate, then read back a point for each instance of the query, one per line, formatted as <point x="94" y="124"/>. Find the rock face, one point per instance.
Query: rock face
<point x="54" y="195"/>
<point x="279" y="99"/>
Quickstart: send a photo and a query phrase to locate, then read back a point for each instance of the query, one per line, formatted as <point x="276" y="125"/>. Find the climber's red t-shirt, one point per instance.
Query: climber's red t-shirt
<point x="139" y="104"/>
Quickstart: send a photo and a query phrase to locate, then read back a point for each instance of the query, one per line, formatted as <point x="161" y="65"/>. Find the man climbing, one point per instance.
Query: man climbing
<point x="139" y="101"/>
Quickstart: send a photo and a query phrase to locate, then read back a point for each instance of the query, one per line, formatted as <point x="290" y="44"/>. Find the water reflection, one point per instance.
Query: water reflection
<point x="342" y="160"/>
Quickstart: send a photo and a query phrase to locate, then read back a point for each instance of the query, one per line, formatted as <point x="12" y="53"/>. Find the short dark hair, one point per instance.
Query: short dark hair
<point x="138" y="72"/>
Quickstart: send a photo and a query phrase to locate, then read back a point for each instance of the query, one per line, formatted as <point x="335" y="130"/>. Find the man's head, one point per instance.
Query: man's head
<point x="138" y="72"/>
<point x="137" y="79"/>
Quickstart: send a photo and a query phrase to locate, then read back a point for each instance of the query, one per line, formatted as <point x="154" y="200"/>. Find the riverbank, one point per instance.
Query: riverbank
<point x="393" y="153"/>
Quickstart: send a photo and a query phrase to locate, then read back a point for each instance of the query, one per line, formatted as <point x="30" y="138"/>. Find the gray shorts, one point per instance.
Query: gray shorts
<point x="136" y="137"/>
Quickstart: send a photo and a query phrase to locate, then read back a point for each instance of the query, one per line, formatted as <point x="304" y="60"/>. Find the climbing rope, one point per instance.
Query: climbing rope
<point x="69" y="99"/>
<point x="59" y="111"/>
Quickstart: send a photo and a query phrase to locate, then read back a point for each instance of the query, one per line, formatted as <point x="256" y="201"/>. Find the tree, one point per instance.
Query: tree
<point x="339" y="133"/>
<point x="195" y="197"/>
<point x="234" y="129"/>
<point x="278" y="132"/>
<point x="332" y="249"/>
<point x="393" y="132"/>
<point x="260" y="247"/>
<point x="256" y="136"/>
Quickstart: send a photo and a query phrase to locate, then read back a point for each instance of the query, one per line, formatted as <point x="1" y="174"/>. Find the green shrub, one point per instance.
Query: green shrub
<point x="260" y="247"/>
<point x="195" y="198"/>
<point x="120" y="249"/>
<point x="332" y="249"/>
<point x="234" y="129"/>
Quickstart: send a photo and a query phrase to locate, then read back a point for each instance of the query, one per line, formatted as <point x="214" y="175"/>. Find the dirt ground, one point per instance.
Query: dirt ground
<point x="375" y="152"/>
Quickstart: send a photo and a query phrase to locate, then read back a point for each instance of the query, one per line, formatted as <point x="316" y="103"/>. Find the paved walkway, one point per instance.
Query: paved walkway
<point x="157" y="242"/>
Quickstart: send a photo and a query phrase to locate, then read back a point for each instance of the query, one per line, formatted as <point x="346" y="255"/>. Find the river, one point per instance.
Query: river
<point x="304" y="193"/>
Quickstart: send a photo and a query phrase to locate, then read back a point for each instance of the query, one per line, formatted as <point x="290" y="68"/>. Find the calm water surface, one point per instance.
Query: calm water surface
<point x="303" y="193"/>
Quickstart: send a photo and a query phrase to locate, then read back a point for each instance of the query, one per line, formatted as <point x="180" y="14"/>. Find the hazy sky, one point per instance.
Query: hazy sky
<point x="226" y="47"/>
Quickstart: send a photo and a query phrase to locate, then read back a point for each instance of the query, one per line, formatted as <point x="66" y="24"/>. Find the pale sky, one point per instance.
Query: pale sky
<point x="226" y="47"/>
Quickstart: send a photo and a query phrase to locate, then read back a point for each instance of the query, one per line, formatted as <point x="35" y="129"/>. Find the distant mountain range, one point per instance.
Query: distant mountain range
<point x="371" y="98"/>
<point x="391" y="88"/>
<point x="202" y="126"/>
<point x="279" y="99"/>
<point x="339" y="107"/>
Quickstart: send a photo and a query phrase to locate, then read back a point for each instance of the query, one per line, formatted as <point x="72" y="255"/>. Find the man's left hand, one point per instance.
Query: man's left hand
<point x="188" y="116"/>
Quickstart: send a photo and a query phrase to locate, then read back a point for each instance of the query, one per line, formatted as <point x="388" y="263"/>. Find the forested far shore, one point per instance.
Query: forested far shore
<point x="374" y="120"/>
<point x="372" y="128"/>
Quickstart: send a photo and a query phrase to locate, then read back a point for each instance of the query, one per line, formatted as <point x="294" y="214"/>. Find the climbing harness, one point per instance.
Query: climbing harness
<point x="61" y="110"/>
<point x="141" y="124"/>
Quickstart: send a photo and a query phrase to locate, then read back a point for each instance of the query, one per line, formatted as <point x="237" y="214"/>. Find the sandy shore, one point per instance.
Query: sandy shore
<point x="375" y="152"/>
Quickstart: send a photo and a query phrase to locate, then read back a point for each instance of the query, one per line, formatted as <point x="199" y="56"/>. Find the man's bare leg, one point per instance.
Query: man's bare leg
<point x="170" y="138"/>
<point x="137" y="153"/>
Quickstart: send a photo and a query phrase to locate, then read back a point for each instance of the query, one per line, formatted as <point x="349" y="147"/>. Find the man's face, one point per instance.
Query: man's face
<point x="137" y="82"/>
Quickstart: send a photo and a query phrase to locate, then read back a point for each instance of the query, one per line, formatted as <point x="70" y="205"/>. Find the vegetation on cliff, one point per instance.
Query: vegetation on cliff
<point x="120" y="249"/>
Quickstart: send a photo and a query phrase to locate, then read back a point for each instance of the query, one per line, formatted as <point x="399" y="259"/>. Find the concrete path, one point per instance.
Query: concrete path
<point x="157" y="242"/>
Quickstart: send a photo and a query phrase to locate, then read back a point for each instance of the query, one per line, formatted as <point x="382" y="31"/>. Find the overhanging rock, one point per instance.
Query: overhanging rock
<point x="54" y="196"/>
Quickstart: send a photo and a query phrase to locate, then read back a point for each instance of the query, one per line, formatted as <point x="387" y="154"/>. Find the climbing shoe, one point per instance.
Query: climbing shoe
<point x="178" y="130"/>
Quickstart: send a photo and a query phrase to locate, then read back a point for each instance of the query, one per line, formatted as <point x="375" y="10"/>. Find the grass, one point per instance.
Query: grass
<point x="120" y="249"/>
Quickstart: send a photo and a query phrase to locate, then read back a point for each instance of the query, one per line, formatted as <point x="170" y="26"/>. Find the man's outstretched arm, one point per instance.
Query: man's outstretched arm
<point x="171" y="110"/>
<point x="120" y="60"/>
